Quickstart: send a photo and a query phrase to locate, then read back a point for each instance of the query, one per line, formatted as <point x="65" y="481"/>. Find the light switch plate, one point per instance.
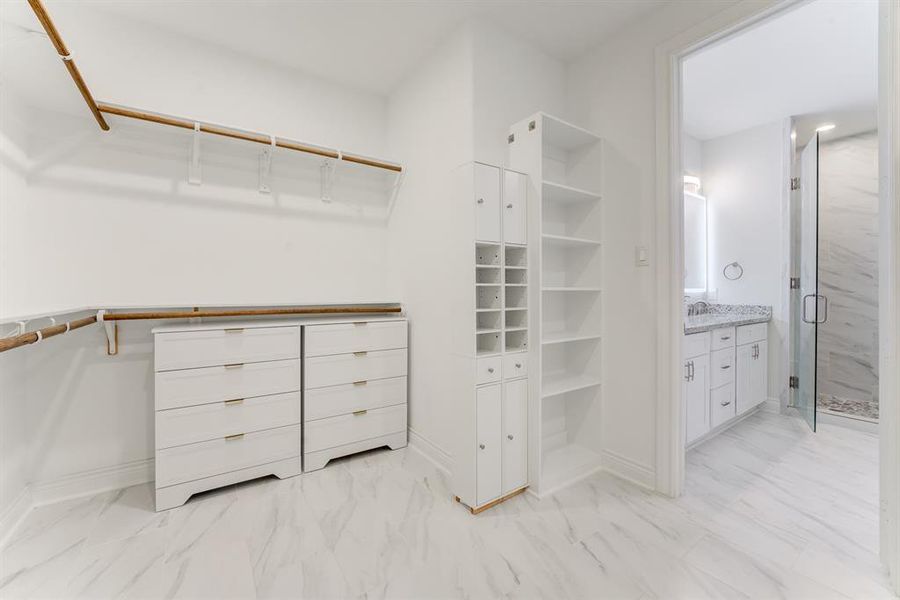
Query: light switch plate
<point x="641" y="256"/>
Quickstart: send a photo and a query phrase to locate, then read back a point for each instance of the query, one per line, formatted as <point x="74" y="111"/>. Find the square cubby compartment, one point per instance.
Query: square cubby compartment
<point x="516" y="340"/>
<point x="488" y="343"/>
<point x="488" y="297"/>
<point x="516" y="256"/>
<point x="487" y="254"/>
<point x="516" y="319"/>
<point x="518" y="275"/>
<point x="516" y="297"/>
<point x="484" y="274"/>
<point x="489" y="321"/>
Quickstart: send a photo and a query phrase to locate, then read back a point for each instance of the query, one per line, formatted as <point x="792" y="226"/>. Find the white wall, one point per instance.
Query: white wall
<point x="742" y="181"/>
<point x="611" y="90"/>
<point x="692" y="155"/>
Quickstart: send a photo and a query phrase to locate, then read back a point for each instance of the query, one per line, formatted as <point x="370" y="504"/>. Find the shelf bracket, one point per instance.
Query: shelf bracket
<point x="265" y="167"/>
<point x="327" y="173"/>
<point x="194" y="161"/>
<point x="395" y="189"/>
<point x="111" y="328"/>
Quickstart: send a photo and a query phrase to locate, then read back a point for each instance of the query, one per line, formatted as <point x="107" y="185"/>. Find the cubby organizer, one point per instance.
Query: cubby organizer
<point x="565" y="303"/>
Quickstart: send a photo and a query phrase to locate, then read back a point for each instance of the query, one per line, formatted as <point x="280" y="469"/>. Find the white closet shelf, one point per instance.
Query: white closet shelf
<point x="488" y="330"/>
<point x="511" y="308"/>
<point x="590" y="289"/>
<point x="485" y="310"/>
<point x="488" y="284"/>
<point x="566" y="464"/>
<point x="509" y="329"/>
<point x="516" y="284"/>
<point x="568" y="240"/>
<point x="553" y="191"/>
<point x="488" y="266"/>
<point x="514" y="267"/>
<point x="554" y="385"/>
<point x="568" y="336"/>
<point x="566" y="136"/>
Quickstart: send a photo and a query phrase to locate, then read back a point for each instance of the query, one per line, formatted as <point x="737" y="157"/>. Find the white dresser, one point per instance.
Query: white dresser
<point x="231" y="404"/>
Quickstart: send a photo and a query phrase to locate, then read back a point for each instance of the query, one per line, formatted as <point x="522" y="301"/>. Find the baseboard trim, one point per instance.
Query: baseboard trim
<point x="431" y="451"/>
<point x="628" y="469"/>
<point x="14" y="515"/>
<point x="772" y="405"/>
<point x="94" y="481"/>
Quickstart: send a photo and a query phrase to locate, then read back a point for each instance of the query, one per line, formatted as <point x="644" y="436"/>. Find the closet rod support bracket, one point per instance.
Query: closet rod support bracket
<point x="111" y="328"/>
<point x="194" y="175"/>
<point x="265" y="166"/>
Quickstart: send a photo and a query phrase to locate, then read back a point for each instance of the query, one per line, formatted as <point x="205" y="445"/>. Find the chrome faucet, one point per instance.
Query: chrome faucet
<point x="700" y="307"/>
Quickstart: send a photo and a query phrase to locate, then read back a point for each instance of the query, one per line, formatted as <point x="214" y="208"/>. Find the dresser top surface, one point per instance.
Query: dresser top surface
<point x="230" y="323"/>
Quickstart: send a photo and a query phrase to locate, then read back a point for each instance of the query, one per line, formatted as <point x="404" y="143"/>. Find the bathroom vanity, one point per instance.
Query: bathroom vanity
<point x="725" y="375"/>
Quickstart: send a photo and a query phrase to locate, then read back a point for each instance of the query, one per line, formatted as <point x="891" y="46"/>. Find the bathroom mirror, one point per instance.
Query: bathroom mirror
<point x="695" y="243"/>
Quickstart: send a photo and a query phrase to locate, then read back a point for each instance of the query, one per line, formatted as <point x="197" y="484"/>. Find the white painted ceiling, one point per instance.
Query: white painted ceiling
<point x="371" y="45"/>
<point x="818" y="58"/>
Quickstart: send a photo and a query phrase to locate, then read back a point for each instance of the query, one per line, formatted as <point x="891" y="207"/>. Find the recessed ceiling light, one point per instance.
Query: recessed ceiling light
<point x="825" y="127"/>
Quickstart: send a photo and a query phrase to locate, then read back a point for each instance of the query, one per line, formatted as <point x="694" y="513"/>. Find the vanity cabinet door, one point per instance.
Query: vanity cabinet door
<point x="743" y="378"/>
<point x="695" y="391"/>
<point x="759" y="379"/>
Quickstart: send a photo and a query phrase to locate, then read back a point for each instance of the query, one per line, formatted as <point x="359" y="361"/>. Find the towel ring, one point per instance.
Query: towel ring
<point x="733" y="265"/>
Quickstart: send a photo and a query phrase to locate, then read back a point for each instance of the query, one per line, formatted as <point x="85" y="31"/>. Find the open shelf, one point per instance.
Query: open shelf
<point x="572" y="267"/>
<point x="516" y="340"/>
<point x="516" y="256"/>
<point x="565" y="337"/>
<point x="487" y="275"/>
<point x="516" y="297"/>
<point x="516" y="276"/>
<point x="487" y="254"/>
<point x="566" y="136"/>
<point x="488" y="343"/>
<point x="588" y="289"/>
<point x="563" y="383"/>
<point x="488" y="297"/>
<point x="566" y="240"/>
<point x="560" y="193"/>
<point x="486" y="322"/>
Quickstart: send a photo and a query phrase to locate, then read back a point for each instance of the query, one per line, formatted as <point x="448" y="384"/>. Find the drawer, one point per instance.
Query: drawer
<point x="207" y="348"/>
<point x="205" y="459"/>
<point x="343" y="399"/>
<point x="722" y="407"/>
<point x="752" y="333"/>
<point x="722" y="338"/>
<point x="695" y="344"/>
<point x="338" y="369"/>
<point x="487" y="370"/>
<point x="515" y="365"/>
<point x="189" y="387"/>
<point x="344" y="338"/>
<point x="721" y="364"/>
<point x="346" y="429"/>
<point x="211" y="421"/>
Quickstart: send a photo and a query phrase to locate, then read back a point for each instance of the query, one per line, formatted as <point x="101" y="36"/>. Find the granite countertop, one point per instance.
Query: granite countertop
<point x="727" y="315"/>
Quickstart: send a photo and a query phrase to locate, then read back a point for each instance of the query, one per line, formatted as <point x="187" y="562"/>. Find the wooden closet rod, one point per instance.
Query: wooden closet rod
<point x="259" y="138"/>
<point x="47" y="23"/>
<point x="53" y="330"/>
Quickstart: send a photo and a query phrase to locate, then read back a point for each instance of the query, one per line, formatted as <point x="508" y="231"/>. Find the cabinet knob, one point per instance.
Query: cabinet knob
<point x="481" y="201"/>
<point x="509" y="437"/>
<point x="518" y="365"/>
<point x="509" y="206"/>
<point x="725" y="403"/>
<point x="725" y="367"/>
<point x="481" y="446"/>
<point x="490" y="369"/>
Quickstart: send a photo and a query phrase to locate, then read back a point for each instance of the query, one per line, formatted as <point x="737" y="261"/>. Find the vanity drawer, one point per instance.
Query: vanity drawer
<point x="695" y="344"/>
<point x="722" y="338"/>
<point x="722" y="406"/>
<point x="721" y="364"/>
<point x="336" y="400"/>
<point x="180" y="426"/>
<point x="344" y="338"/>
<point x="322" y="371"/>
<point x="211" y="347"/>
<point x="487" y="370"/>
<point x="347" y="429"/>
<point x="515" y="365"/>
<point x="214" y="457"/>
<point x="752" y="333"/>
<point x="189" y="387"/>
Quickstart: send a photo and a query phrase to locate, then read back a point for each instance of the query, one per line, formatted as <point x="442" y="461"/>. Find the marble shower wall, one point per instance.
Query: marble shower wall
<point x="848" y="271"/>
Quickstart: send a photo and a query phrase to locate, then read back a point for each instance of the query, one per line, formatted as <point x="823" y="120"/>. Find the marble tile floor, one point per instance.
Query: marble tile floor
<point x="771" y="511"/>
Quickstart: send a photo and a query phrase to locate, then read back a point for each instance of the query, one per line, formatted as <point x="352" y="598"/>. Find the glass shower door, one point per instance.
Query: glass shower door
<point x="805" y="398"/>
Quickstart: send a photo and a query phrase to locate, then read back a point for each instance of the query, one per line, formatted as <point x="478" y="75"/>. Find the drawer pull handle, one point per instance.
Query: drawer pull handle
<point x="234" y="438"/>
<point x="234" y="402"/>
<point x="725" y="367"/>
<point x="481" y="446"/>
<point x="509" y="206"/>
<point x="363" y="382"/>
<point x="490" y="369"/>
<point x="481" y="201"/>
<point x="235" y="330"/>
<point x="518" y="365"/>
<point x="234" y="366"/>
<point x="725" y="338"/>
<point x="358" y="323"/>
<point x="509" y="437"/>
<point x="362" y="353"/>
<point x="725" y="403"/>
<point x="359" y="413"/>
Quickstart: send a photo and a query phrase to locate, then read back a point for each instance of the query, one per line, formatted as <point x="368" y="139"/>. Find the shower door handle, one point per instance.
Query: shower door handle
<point x="824" y="300"/>
<point x="803" y="308"/>
<point x="817" y="297"/>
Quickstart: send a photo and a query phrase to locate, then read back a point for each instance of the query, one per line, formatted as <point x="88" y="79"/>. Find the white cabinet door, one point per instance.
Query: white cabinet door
<point x="514" y="207"/>
<point x="759" y="380"/>
<point x="488" y="426"/>
<point x="487" y="203"/>
<point x="743" y="377"/>
<point x="514" y="434"/>
<point x="695" y="390"/>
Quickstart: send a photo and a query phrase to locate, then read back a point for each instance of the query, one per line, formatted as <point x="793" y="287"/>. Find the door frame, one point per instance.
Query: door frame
<point x="669" y="234"/>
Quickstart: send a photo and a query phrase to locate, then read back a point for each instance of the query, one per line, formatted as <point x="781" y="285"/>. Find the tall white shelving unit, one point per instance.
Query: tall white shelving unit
<point x="565" y="258"/>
